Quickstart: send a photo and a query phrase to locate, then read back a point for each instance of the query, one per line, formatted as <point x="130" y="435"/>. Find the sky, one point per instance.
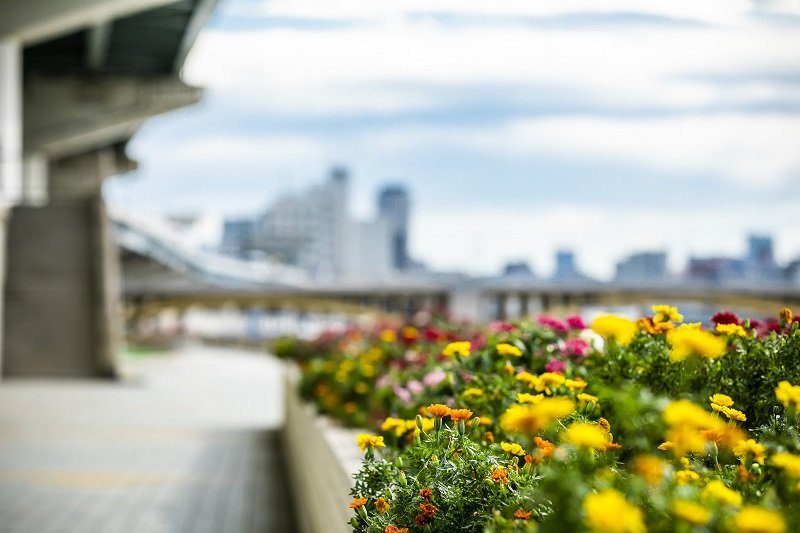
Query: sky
<point x="519" y="127"/>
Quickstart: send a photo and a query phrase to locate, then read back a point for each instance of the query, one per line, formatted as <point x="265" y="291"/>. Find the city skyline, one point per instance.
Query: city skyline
<point x="519" y="128"/>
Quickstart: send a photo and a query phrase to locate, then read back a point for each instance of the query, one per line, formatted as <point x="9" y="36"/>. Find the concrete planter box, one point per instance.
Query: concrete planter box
<point x="321" y="458"/>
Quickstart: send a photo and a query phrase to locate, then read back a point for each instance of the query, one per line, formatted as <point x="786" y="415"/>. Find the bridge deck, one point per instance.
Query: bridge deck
<point x="186" y="444"/>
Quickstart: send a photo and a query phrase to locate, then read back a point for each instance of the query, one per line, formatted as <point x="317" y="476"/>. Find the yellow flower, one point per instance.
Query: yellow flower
<point x="461" y="348"/>
<point x="717" y="491"/>
<point x="750" y="447"/>
<point x="686" y="413"/>
<point x="651" y="468"/>
<point x="615" y="327"/>
<point x="731" y="329"/>
<point x="523" y="397"/>
<point x="789" y="462"/>
<point x="666" y="313"/>
<point x="365" y="441"/>
<point x="733" y="414"/>
<point x="666" y="446"/>
<point x="527" y="378"/>
<point x="381" y="505"/>
<point x="785" y="315"/>
<point x="548" y="380"/>
<point x="691" y="512"/>
<point x="508" y="349"/>
<point x="788" y="394"/>
<point x="575" y="384"/>
<point x="721" y="400"/>
<point x="753" y="519"/>
<point x="398" y="425"/>
<point x="388" y="335"/>
<point x="688" y="340"/>
<point x="684" y="477"/>
<point x="529" y="419"/>
<point x="608" y="511"/>
<point x="585" y="435"/>
<point x="473" y="391"/>
<point x="512" y="448"/>
<point x="586" y="398"/>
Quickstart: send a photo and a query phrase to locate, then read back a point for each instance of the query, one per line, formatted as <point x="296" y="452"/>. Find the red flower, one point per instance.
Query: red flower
<point x="725" y="317"/>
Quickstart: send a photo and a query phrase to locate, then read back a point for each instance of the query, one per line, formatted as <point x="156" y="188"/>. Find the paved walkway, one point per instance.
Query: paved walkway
<point x="186" y="443"/>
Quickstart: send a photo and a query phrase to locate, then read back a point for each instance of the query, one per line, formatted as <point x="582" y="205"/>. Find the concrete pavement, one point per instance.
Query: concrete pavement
<point x="186" y="443"/>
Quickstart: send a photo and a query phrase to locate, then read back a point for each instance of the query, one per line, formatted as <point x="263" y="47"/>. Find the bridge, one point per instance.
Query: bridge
<point x="161" y="272"/>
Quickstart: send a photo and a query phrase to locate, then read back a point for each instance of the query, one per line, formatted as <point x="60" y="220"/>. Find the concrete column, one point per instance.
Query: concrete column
<point x="10" y="121"/>
<point x="34" y="179"/>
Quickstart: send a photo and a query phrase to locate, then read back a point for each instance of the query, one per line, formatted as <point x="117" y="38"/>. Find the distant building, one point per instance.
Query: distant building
<point x="760" y="260"/>
<point x="518" y="269"/>
<point x="393" y="207"/>
<point x="643" y="266"/>
<point x="717" y="270"/>
<point x="369" y="250"/>
<point x="238" y="237"/>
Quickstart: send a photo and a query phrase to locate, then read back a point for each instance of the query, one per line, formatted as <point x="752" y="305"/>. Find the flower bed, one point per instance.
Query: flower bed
<point x="628" y="426"/>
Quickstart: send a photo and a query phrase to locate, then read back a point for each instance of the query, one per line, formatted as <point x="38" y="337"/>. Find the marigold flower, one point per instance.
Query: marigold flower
<point x="523" y="397"/>
<point x="733" y="414"/>
<point x="788" y="394"/>
<point x="687" y="340"/>
<point x="508" y="349"/>
<point x="513" y="448"/>
<point x="748" y="447"/>
<point x="473" y="392"/>
<point x="575" y="384"/>
<point x="548" y="380"/>
<point x="364" y="441"/>
<point x="753" y="519"/>
<point x="545" y="447"/>
<point x="785" y="315"/>
<point x="388" y="335"/>
<point x="788" y="462"/>
<point x="394" y="529"/>
<point x="721" y="400"/>
<point x="428" y="509"/>
<point x="691" y="512"/>
<point x="666" y="446"/>
<point x="529" y="419"/>
<point x="527" y="378"/>
<point x="457" y="415"/>
<point x="684" y="477"/>
<point x="717" y="491"/>
<point x="604" y="424"/>
<point x="614" y="327"/>
<point x="608" y="511"/>
<point x="461" y="348"/>
<point x="585" y="435"/>
<point x="499" y="475"/>
<point x="731" y="329"/>
<point x="426" y="493"/>
<point x="522" y="514"/>
<point x="586" y="398"/>
<point x="438" y="410"/>
<point x="358" y="502"/>
<point x="651" y="468"/>
<point x="398" y="425"/>
<point x="666" y="313"/>
<point x="381" y="505"/>
<point x="726" y="437"/>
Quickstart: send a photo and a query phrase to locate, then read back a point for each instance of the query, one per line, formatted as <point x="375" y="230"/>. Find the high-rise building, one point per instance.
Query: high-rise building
<point x="760" y="260"/>
<point x="238" y="237"/>
<point x="643" y="266"/>
<point x="393" y="206"/>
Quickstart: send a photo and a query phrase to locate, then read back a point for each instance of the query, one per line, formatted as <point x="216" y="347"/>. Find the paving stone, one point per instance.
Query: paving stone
<point x="188" y="442"/>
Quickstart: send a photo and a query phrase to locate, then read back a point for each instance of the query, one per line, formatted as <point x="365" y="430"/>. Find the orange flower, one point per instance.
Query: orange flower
<point x="499" y="475"/>
<point x="394" y="529"/>
<point x="460" y="414"/>
<point x="358" y="502"/>
<point x="438" y="410"/>
<point x="426" y="493"/>
<point x="522" y="514"/>
<point x="381" y="505"/>
<point x="545" y="447"/>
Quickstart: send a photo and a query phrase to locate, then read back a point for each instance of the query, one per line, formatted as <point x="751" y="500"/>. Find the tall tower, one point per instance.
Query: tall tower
<point x="393" y="206"/>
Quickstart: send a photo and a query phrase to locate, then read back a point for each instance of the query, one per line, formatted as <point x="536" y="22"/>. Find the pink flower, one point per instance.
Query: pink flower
<point x="382" y="382"/>
<point x="576" y="322"/>
<point x="555" y="365"/>
<point x="499" y="326"/>
<point x="577" y="347"/>
<point x="403" y="394"/>
<point x="434" y="378"/>
<point x="415" y="387"/>
<point x="552" y="323"/>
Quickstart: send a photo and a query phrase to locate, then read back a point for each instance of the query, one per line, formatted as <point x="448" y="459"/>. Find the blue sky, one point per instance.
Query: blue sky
<point x="519" y="127"/>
